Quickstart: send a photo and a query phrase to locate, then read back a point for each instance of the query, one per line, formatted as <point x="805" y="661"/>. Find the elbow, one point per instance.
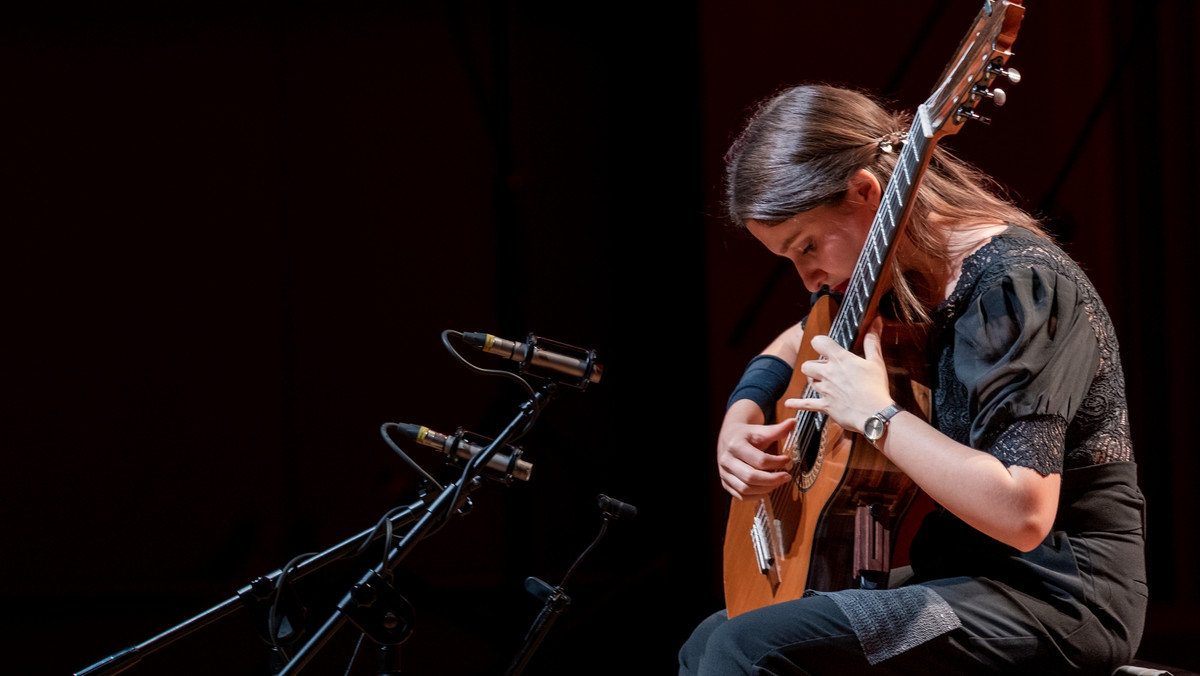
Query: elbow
<point x="1034" y="507"/>
<point x="1025" y="536"/>
<point x="1028" y="541"/>
<point x="1032" y="532"/>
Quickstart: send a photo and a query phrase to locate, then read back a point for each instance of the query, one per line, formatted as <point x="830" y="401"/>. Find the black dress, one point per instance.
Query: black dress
<point x="1028" y="370"/>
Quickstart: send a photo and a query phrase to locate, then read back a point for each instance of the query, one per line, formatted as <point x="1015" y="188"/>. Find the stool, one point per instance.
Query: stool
<point x="1144" y="668"/>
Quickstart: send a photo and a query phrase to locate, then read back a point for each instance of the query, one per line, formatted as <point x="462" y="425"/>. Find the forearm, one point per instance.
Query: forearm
<point x="786" y="345"/>
<point x="1014" y="505"/>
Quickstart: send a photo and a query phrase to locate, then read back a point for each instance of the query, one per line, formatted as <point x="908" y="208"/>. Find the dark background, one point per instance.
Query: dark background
<point x="234" y="233"/>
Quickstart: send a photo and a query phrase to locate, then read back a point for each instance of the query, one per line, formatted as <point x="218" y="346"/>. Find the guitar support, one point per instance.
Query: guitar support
<point x="872" y="545"/>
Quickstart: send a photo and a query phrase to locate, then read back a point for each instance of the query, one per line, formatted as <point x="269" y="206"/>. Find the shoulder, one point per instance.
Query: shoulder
<point x="1012" y="256"/>
<point x="1016" y="286"/>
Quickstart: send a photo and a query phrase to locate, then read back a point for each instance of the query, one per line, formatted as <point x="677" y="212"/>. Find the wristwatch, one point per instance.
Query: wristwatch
<point x="876" y="425"/>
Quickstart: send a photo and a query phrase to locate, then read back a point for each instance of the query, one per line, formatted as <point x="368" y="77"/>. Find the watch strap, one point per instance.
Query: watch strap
<point x="886" y="414"/>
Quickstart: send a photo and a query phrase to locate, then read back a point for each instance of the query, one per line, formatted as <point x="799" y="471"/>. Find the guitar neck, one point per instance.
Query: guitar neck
<point x="861" y="296"/>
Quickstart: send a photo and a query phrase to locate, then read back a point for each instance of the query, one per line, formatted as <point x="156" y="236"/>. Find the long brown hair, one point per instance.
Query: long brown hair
<point x="800" y="146"/>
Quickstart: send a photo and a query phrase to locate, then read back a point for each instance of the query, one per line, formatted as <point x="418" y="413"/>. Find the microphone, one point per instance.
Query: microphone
<point x="559" y="358"/>
<point x="615" y="509"/>
<point x="506" y="459"/>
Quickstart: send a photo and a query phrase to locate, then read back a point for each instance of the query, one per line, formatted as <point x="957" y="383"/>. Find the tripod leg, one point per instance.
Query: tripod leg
<point x="389" y="660"/>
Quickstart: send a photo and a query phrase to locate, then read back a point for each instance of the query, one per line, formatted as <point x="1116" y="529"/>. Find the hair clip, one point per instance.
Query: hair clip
<point x="890" y="142"/>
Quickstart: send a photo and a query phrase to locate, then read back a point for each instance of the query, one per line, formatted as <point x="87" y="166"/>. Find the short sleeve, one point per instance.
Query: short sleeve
<point x="1025" y="351"/>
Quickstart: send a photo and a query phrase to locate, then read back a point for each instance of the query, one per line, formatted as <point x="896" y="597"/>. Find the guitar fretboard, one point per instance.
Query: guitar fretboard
<point x="893" y="207"/>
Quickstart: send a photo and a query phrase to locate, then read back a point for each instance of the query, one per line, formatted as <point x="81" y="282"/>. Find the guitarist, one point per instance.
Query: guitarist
<point x="1032" y="561"/>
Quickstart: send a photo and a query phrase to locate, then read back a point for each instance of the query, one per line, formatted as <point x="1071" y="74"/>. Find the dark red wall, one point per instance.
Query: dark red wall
<point x="235" y="232"/>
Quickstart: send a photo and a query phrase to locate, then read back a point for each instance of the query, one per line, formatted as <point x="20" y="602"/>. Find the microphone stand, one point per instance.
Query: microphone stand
<point x="372" y="604"/>
<point x="253" y="596"/>
<point x="555" y="598"/>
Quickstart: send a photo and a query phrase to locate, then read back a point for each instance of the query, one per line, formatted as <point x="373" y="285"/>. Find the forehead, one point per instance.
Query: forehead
<point x="780" y="236"/>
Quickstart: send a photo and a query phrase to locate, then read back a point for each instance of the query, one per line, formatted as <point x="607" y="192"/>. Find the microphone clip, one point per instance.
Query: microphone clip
<point x="564" y="360"/>
<point x="543" y="358"/>
<point x="504" y="465"/>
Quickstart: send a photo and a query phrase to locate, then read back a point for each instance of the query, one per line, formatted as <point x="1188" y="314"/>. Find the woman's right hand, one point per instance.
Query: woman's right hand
<point x="746" y="460"/>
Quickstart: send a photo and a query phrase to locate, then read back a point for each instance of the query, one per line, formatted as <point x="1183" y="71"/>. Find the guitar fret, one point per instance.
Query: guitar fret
<point x="889" y="217"/>
<point x="904" y="167"/>
<point x="878" y="252"/>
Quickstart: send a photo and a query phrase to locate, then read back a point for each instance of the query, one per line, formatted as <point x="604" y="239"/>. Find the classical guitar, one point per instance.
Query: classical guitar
<point x="833" y="526"/>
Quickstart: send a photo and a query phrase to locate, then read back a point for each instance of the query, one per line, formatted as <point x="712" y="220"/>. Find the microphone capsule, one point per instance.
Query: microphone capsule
<point x="506" y="460"/>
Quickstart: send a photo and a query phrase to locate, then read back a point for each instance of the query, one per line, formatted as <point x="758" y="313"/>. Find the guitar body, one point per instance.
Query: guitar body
<point x="807" y="528"/>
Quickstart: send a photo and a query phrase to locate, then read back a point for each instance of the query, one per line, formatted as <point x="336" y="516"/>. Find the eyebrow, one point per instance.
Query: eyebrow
<point x="788" y="244"/>
<point x="796" y="235"/>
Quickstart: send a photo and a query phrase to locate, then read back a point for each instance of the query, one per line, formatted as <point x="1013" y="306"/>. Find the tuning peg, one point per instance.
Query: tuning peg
<point x="997" y="95"/>
<point x="1010" y="74"/>
<point x="971" y="114"/>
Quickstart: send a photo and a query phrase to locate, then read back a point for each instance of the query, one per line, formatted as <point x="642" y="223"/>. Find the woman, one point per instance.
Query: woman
<point x="1032" y="561"/>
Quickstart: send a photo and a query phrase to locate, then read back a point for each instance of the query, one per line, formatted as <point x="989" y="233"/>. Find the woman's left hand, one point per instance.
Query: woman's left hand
<point x="852" y="388"/>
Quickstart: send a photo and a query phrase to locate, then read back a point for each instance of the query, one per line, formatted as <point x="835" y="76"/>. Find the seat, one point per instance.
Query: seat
<point x="1144" y="668"/>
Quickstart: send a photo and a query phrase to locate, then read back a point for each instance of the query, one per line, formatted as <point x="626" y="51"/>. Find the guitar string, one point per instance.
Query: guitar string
<point x="809" y="423"/>
<point x="798" y="440"/>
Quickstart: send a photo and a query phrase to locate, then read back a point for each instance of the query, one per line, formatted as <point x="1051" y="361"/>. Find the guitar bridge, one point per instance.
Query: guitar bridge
<point x="766" y="536"/>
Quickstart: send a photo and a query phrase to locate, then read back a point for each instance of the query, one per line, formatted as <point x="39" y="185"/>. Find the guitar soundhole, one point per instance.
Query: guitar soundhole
<point x="808" y="454"/>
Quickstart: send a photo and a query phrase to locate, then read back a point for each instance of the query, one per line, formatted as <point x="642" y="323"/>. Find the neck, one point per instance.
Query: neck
<point x="933" y="274"/>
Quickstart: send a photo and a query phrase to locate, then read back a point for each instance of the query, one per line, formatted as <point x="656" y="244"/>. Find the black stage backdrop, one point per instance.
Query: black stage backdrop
<point x="234" y="233"/>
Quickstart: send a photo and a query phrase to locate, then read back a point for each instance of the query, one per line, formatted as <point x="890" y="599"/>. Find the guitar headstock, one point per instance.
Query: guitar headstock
<point x="981" y="57"/>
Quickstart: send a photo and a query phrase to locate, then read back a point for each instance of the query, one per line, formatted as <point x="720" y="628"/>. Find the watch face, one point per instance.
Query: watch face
<point x="873" y="428"/>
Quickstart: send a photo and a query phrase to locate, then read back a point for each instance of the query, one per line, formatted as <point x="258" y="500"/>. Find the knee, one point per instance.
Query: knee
<point x="695" y="649"/>
<point x="717" y="646"/>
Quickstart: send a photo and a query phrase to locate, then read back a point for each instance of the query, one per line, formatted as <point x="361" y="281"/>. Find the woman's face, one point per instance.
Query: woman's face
<point x="824" y="243"/>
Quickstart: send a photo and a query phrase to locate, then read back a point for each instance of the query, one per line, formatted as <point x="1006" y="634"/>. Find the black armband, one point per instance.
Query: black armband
<point x="764" y="382"/>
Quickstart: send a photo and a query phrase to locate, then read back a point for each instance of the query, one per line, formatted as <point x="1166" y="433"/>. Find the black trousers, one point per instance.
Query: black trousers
<point x="812" y="637"/>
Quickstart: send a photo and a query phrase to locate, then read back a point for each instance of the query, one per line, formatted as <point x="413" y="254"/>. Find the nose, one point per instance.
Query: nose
<point x="812" y="276"/>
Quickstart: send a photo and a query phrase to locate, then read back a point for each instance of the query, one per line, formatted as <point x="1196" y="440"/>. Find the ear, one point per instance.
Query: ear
<point x="864" y="188"/>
